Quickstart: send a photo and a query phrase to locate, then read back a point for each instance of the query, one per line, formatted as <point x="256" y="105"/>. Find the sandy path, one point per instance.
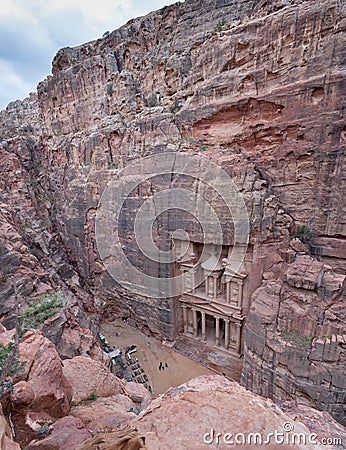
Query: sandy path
<point x="150" y="352"/>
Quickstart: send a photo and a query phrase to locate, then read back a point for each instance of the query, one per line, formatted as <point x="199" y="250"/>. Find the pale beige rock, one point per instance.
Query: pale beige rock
<point x="127" y="438"/>
<point x="191" y="415"/>
<point x="108" y="413"/>
<point x="298" y="246"/>
<point x="88" y="376"/>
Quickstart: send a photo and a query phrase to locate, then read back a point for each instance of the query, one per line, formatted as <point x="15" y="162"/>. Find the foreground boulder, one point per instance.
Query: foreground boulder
<point x="40" y="393"/>
<point x="211" y="411"/>
<point x="52" y="392"/>
<point x="110" y="413"/>
<point x="67" y="434"/>
<point x="89" y="377"/>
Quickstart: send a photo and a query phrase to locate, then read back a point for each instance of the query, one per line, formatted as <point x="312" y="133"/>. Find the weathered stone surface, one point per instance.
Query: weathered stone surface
<point x="298" y="246"/>
<point x="294" y="341"/>
<point x="22" y="393"/>
<point x="127" y="438"/>
<point x="256" y="87"/>
<point x="44" y="373"/>
<point x="305" y="272"/>
<point x="191" y="415"/>
<point x="6" y="442"/>
<point x="88" y="376"/>
<point x="40" y="393"/>
<point x="67" y="433"/>
<point x="70" y="331"/>
<point x="138" y="393"/>
<point x="318" y="422"/>
<point x="108" y="413"/>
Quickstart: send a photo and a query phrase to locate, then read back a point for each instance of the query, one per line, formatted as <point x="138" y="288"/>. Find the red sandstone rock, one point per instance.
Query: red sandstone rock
<point x="298" y="246"/>
<point x="260" y="91"/>
<point x="108" y="413"/>
<point x="305" y="272"/>
<point x="191" y="415"/>
<point x="294" y="341"/>
<point x="6" y="442"/>
<point x="45" y="375"/>
<point x="138" y="393"/>
<point x="318" y="422"/>
<point x="68" y="433"/>
<point x="79" y="341"/>
<point x="88" y="376"/>
<point x="22" y="393"/>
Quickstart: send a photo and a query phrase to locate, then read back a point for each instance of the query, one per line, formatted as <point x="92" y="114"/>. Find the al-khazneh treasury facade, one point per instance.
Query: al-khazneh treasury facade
<point x="215" y="298"/>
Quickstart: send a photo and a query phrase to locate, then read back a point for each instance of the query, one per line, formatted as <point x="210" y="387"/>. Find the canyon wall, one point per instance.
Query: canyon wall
<point x="256" y="87"/>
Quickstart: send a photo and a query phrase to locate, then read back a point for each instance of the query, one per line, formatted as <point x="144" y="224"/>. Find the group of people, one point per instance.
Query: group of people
<point x="162" y="367"/>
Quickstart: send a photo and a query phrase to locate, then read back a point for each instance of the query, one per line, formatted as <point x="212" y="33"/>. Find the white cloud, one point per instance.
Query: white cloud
<point x="11" y="82"/>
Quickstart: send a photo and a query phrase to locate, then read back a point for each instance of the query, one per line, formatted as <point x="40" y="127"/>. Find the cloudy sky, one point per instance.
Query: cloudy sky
<point x="32" y="31"/>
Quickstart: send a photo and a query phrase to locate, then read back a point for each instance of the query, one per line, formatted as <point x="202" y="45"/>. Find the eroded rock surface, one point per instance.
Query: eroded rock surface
<point x="191" y="416"/>
<point x="88" y="376"/>
<point x="67" y="433"/>
<point x="256" y="87"/>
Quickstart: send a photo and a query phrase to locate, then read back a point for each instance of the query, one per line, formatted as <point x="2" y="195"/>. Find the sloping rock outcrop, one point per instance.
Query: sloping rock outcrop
<point x="211" y="411"/>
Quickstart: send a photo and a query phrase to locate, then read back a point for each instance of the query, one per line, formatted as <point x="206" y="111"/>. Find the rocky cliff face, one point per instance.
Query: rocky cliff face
<point x="257" y="87"/>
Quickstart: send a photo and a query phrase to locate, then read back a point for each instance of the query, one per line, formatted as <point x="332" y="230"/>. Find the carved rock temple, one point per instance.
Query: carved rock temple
<point x="215" y="298"/>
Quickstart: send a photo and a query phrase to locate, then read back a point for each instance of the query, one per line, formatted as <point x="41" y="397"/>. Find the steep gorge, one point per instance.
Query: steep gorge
<point x="256" y="87"/>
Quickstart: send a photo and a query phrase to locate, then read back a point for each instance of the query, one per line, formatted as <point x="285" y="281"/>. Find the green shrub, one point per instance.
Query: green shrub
<point x="220" y="24"/>
<point x="40" y="309"/>
<point x="8" y="359"/>
<point x="10" y="364"/>
<point x="152" y="100"/>
<point x="91" y="397"/>
<point x="110" y="89"/>
<point x="175" y="107"/>
<point x="304" y="233"/>
<point x="297" y="338"/>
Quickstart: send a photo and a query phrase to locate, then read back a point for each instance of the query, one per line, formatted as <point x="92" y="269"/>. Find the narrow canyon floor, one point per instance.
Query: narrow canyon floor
<point x="150" y="352"/>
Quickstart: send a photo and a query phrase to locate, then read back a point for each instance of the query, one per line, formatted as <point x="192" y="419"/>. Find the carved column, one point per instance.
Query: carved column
<point x="215" y="286"/>
<point x="184" y="318"/>
<point x="226" y="334"/>
<point x="203" y="326"/>
<point x="228" y="292"/>
<point x="194" y="319"/>
<point x="240" y="299"/>
<point x="217" y="331"/>
<point x="238" y="344"/>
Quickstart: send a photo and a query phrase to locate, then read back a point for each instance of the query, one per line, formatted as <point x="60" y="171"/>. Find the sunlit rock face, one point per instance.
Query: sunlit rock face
<point x="256" y="88"/>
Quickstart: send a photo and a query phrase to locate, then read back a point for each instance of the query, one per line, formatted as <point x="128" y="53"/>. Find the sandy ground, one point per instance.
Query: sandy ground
<point x="150" y="352"/>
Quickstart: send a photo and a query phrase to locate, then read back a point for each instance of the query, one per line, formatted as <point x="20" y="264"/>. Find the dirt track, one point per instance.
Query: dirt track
<point x="150" y="352"/>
